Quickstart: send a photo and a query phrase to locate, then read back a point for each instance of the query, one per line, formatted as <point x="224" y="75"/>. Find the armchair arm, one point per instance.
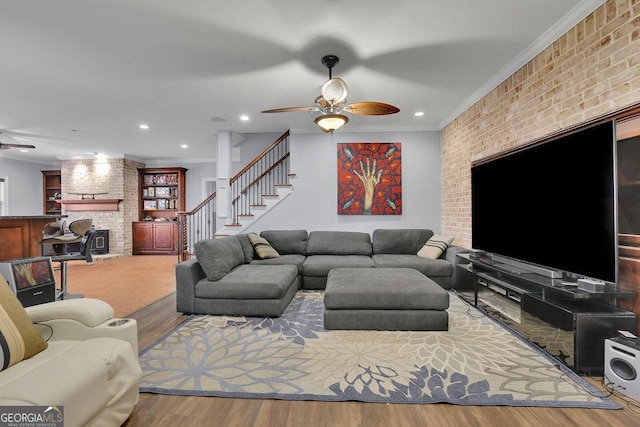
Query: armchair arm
<point x="87" y="311"/>
<point x="188" y="273"/>
<point x="81" y="319"/>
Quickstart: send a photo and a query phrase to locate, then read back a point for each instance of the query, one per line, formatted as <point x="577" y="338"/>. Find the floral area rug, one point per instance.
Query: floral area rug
<point x="476" y="362"/>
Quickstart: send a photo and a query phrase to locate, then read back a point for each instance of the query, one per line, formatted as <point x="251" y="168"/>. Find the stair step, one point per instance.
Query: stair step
<point x="283" y="185"/>
<point x="233" y="225"/>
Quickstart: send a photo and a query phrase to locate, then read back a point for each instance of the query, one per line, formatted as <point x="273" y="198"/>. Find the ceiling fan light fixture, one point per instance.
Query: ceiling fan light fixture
<point x="330" y="122"/>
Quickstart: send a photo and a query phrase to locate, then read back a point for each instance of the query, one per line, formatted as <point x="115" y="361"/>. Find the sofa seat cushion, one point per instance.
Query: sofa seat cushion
<point x="320" y="265"/>
<point x="291" y="259"/>
<point x="250" y="282"/>
<point x="383" y="289"/>
<point x="96" y="380"/>
<point x="428" y="267"/>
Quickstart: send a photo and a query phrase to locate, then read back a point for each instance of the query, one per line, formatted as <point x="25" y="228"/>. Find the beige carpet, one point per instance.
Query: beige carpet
<point x="127" y="283"/>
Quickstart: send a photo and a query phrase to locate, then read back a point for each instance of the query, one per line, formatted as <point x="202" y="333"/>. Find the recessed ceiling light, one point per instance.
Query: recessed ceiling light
<point x="418" y="113"/>
<point x="184" y="146"/>
<point x="144" y="126"/>
<point x="244" y="117"/>
<point x="24" y="151"/>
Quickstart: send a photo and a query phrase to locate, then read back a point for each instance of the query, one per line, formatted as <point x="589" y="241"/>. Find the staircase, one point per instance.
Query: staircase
<point x="255" y="211"/>
<point x="256" y="189"/>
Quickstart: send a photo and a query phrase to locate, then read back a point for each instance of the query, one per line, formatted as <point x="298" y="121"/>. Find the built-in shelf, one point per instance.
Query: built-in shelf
<point x="90" y="204"/>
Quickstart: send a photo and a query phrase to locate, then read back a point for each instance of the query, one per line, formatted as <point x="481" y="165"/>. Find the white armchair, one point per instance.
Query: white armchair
<point x="90" y="366"/>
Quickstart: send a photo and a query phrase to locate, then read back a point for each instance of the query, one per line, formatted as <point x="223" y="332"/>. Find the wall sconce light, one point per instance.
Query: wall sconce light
<point x="330" y="122"/>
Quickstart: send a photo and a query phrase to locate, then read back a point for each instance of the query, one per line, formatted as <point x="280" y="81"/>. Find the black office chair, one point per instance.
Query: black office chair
<point x="84" y="254"/>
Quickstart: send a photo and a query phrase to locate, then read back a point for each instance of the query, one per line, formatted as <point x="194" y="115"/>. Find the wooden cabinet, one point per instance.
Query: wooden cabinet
<point x="161" y="196"/>
<point x="629" y="220"/>
<point x="51" y="191"/>
<point x="154" y="238"/>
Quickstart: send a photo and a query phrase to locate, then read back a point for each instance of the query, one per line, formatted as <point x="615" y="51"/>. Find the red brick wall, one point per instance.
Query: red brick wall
<point x="119" y="179"/>
<point x="591" y="70"/>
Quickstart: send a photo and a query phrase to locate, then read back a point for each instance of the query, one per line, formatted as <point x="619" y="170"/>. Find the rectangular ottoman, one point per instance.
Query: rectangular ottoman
<point x="395" y="299"/>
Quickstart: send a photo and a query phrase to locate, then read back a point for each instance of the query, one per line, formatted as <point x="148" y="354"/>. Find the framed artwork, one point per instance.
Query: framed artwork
<point x="369" y="178"/>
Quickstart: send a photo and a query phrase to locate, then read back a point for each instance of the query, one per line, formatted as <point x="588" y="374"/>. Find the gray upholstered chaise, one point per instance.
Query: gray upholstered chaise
<point x="221" y="282"/>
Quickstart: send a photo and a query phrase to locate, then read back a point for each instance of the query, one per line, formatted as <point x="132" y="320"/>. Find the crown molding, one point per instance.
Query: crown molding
<point x="568" y="21"/>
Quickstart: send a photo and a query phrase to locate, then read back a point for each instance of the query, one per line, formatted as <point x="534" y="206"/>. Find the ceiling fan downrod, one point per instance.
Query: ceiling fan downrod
<point x="330" y="61"/>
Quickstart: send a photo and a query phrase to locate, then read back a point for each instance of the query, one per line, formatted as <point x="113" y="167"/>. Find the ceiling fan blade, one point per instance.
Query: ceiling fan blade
<point x="371" y="108"/>
<point x="291" y="109"/>
<point x="3" y="146"/>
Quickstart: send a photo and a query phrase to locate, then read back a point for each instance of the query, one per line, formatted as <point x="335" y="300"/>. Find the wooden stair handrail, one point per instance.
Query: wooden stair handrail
<point x="259" y="177"/>
<point x="200" y="206"/>
<point x="259" y="156"/>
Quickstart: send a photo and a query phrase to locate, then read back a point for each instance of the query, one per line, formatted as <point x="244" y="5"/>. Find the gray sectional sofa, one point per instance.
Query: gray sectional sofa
<point x="228" y="278"/>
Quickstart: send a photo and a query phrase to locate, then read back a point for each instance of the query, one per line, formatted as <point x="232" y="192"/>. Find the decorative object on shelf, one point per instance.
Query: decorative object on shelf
<point x="369" y="178"/>
<point x="89" y="196"/>
<point x="150" y="205"/>
<point x="162" y="191"/>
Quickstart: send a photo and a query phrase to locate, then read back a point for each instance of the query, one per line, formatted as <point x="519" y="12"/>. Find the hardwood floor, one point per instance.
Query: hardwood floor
<point x="160" y="410"/>
<point x="127" y="283"/>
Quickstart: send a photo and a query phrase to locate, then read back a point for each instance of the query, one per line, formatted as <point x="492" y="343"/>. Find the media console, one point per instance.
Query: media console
<point x="569" y="323"/>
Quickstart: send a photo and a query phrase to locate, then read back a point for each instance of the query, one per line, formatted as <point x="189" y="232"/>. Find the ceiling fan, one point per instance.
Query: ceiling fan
<point x="332" y="102"/>
<point x="4" y="146"/>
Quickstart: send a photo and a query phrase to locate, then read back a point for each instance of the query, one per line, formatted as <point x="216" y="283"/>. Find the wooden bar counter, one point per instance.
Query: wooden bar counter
<point x="20" y="235"/>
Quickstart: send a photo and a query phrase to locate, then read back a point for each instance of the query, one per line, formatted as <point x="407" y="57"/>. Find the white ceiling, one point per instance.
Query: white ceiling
<point x="79" y="76"/>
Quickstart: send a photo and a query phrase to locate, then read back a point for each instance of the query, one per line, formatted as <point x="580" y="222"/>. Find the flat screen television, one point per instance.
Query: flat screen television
<point x="25" y="273"/>
<point x="552" y="204"/>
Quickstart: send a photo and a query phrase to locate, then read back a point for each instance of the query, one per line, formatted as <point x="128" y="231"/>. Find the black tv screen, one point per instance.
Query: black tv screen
<point x="552" y="204"/>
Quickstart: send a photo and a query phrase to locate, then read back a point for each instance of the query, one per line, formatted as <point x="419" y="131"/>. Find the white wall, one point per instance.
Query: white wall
<point x="312" y="206"/>
<point x="24" y="186"/>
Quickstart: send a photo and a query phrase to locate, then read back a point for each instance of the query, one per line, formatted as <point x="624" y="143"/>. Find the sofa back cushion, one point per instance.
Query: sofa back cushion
<point x="218" y="257"/>
<point x="400" y="241"/>
<point x="19" y="339"/>
<point x="287" y="242"/>
<point x="339" y="243"/>
<point x="247" y="247"/>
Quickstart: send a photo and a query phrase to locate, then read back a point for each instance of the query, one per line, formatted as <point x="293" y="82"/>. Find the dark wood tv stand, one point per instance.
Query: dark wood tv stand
<point x="569" y="323"/>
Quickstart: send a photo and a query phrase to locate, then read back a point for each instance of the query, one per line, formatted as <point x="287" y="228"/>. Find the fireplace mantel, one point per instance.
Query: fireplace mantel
<point x="90" y="204"/>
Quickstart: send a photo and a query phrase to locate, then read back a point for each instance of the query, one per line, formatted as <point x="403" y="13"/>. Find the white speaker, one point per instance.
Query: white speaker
<point x="622" y="366"/>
